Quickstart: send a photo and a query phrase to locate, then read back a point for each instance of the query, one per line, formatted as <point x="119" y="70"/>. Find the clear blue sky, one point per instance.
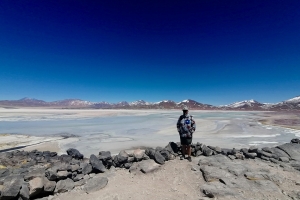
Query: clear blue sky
<point x="211" y="51"/>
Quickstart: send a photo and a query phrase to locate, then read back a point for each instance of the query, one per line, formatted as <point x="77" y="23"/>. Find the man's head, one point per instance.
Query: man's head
<point x="185" y="110"/>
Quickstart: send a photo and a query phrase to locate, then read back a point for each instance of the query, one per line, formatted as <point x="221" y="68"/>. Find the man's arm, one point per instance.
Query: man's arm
<point x="179" y="123"/>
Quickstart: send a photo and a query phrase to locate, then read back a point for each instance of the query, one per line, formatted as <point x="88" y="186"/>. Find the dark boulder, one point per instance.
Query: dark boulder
<point x="159" y="158"/>
<point x="253" y="149"/>
<point x="122" y="157"/>
<point x="12" y="186"/>
<point x="165" y="153"/>
<point x="207" y="151"/>
<point x="292" y="149"/>
<point x="296" y="140"/>
<point x="97" y="164"/>
<point x="74" y="153"/>
<point x="127" y="165"/>
<point x="250" y="155"/>
<point x="104" y="155"/>
<point x="65" y="158"/>
<point x="85" y="168"/>
<point x="51" y="175"/>
<point x="172" y="147"/>
<point x="226" y="152"/>
<point x="150" y="152"/>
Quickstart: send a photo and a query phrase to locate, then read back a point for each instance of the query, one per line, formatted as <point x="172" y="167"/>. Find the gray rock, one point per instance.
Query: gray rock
<point x="254" y="176"/>
<point x="51" y="175"/>
<point x="64" y="185"/>
<point x="97" y="164"/>
<point x="292" y="149"/>
<point x="296" y="140"/>
<point x="40" y="172"/>
<point x="95" y="184"/>
<point x="123" y="157"/>
<point x="218" y="149"/>
<point x="158" y="148"/>
<point x="199" y="153"/>
<point x="4" y="172"/>
<point x="239" y="155"/>
<point x="226" y="151"/>
<point x="172" y="147"/>
<point x="267" y="149"/>
<point x="63" y="175"/>
<point x="265" y="158"/>
<point x="131" y="159"/>
<point x="24" y="192"/>
<point x="207" y="151"/>
<point x="165" y="154"/>
<point x="75" y="167"/>
<point x="273" y="160"/>
<point x="65" y="158"/>
<point x="150" y="152"/>
<point x="147" y="166"/>
<point x="159" y="158"/>
<point x="217" y="189"/>
<point x="49" y="186"/>
<point x="265" y="154"/>
<point x="104" y="155"/>
<point x="250" y="155"/>
<point x="138" y="155"/>
<point x="86" y="177"/>
<point x="11" y="187"/>
<point x="85" y="168"/>
<point x="172" y="157"/>
<point x="127" y="165"/>
<point x="267" y="185"/>
<point x="279" y="153"/>
<point x="78" y="177"/>
<point x="244" y="150"/>
<point x="80" y="182"/>
<point x="74" y="153"/>
<point x="237" y="169"/>
<point x="232" y="157"/>
<point x="36" y="186"/>
<point x="211" y="173"/>
<point x="252" y="149"/>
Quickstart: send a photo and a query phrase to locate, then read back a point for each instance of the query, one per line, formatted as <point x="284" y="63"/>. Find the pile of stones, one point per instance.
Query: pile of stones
<point x="31" y="175"/>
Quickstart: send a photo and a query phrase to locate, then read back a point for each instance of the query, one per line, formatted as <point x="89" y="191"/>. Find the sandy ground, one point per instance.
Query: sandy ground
<point x="175" y="180"/>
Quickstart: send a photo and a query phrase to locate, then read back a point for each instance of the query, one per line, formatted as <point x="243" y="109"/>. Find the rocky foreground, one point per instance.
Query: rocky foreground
<point x="267" y="173"/>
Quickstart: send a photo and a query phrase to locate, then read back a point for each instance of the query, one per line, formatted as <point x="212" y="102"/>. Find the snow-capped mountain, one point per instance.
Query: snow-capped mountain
<point x="293" y="100"/>
<point x="72" y="103"/>
<point x="246" y="104"/>
<point x="290" y="104"/>
<point x="139" y="103"/>
<point x="192" y="104"/>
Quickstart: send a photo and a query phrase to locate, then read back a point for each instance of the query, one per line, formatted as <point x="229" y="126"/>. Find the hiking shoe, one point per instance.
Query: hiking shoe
<point x="189" y="159"/>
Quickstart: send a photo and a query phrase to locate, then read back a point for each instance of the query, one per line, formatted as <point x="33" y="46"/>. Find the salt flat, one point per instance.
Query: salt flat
<point x="91" y="131"/>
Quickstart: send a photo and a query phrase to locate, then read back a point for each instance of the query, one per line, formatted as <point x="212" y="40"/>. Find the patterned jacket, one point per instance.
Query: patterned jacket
<point x="186" y="126"/>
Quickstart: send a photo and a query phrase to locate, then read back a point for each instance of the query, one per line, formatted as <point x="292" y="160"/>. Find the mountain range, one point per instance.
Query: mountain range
<point x="290" y="104"/>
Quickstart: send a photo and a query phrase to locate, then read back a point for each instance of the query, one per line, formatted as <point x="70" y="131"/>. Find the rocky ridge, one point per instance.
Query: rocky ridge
<point x="290" y="104"/>
<point x="227" y="172"/>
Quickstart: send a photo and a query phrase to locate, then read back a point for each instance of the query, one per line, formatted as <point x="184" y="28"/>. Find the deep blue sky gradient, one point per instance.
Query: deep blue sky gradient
<point x="212" y="51"/>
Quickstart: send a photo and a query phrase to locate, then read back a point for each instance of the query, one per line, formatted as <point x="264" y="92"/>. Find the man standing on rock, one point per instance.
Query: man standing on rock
<point x="186" y="126"/>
